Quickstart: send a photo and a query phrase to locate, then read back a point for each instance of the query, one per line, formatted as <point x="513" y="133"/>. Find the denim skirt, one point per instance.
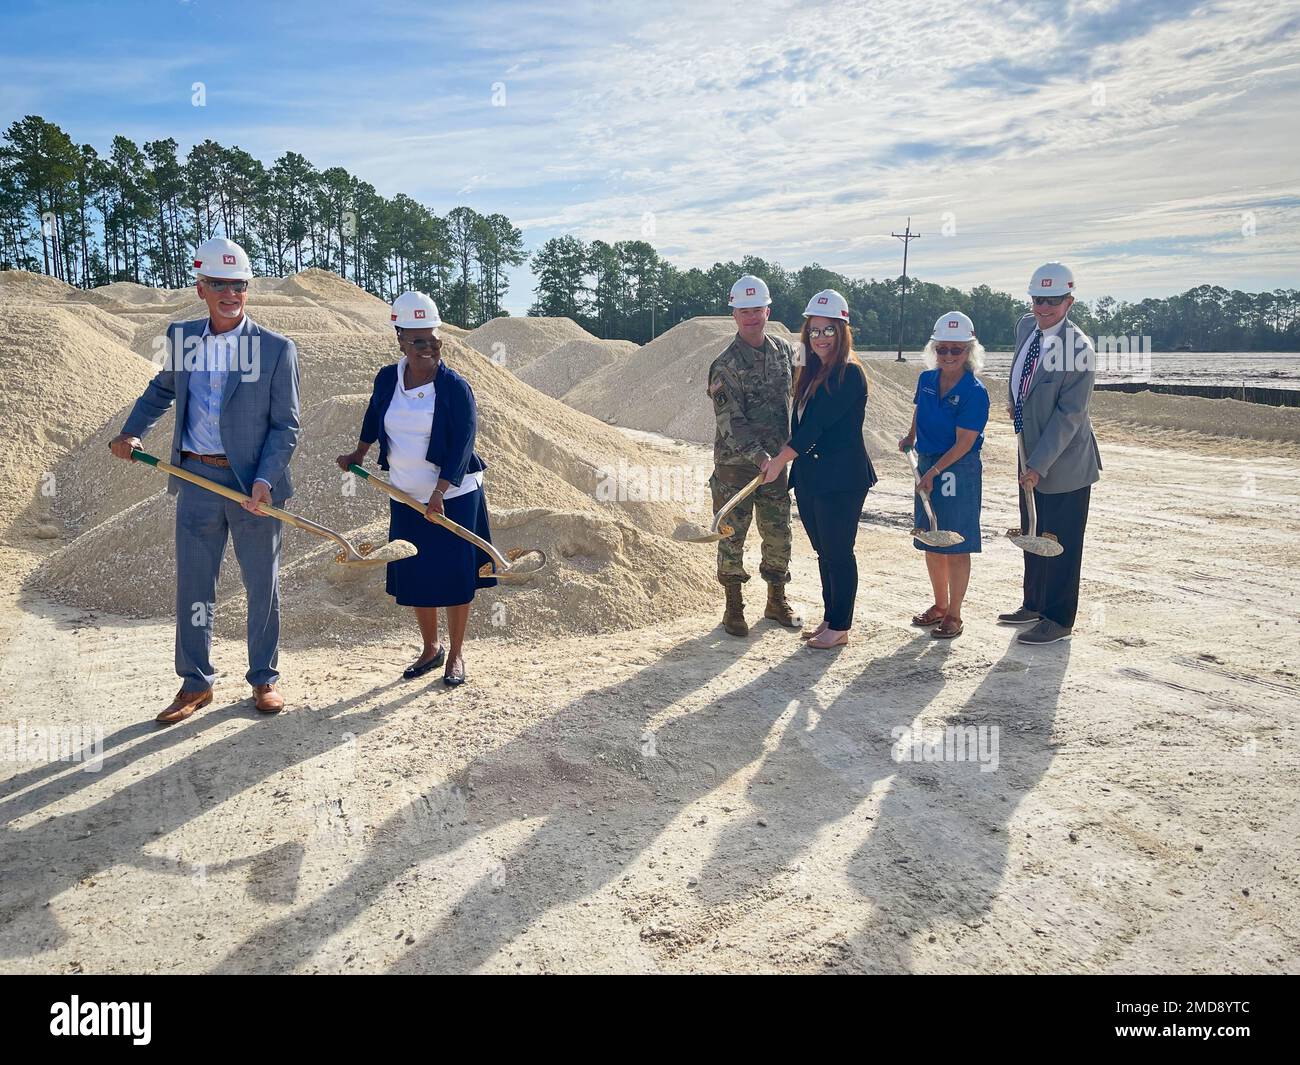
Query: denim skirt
<point x="956" y="498"/>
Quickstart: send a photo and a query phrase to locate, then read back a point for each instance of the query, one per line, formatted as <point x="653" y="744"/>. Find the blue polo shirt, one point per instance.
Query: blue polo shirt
<point x="966" y="406"/>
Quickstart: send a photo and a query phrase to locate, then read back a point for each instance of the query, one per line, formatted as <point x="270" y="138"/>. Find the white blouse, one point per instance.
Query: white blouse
<point x="409" y="424"/>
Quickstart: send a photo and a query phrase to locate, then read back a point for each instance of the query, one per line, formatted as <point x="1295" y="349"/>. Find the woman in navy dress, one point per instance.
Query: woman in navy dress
<point x="423" y="414"/>
<point x="952" y="408"/>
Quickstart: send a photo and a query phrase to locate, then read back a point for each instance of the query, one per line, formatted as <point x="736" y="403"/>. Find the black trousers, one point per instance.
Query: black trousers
<point x="1052" y="584"/>
<point x="831" y="521"/>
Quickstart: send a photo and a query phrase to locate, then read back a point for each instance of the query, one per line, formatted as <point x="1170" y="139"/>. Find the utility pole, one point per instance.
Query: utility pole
<point x="907" y="236"/>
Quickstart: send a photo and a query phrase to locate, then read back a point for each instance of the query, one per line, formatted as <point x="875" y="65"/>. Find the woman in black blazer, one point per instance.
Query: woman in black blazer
<point x="832" y="471"/>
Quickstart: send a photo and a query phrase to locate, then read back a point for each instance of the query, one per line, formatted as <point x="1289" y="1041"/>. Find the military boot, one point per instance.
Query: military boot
<point x="778" y="609"/>
<point x="734" y="618"/>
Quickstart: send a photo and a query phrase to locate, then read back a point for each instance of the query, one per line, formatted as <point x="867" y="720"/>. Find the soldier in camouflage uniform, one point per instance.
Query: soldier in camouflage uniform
<point x="749" y="387"/>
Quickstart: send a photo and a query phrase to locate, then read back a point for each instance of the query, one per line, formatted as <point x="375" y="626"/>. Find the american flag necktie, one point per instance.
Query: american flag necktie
<point x="1031" y="361"/>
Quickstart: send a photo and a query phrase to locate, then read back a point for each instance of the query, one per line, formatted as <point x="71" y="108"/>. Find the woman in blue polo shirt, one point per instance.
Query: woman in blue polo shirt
<point x="424" y="416"/>
<point x="952" y="408"/>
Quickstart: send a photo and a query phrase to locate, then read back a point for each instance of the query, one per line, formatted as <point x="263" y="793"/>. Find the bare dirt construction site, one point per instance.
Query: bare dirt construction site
<point x="621" y="786"/>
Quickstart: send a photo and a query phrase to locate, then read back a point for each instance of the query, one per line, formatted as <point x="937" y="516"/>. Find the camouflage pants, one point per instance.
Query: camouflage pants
<point x="771" y="502"/>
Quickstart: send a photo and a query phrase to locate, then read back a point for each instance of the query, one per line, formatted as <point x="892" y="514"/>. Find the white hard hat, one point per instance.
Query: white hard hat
<point x="827" y="304"/>
<point x="749" y="291"/>
<point x="415" y="310"/>
<point x="1052" y="279"/>
<point x="953" y="326"/>
<point x="219" y="257"/>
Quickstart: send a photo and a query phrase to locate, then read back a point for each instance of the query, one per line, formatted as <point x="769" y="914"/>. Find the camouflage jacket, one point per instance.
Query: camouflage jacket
<point x="750" y="393"/>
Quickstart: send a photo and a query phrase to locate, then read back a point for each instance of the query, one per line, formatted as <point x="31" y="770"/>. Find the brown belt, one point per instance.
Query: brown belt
<point x="211" y="460"/>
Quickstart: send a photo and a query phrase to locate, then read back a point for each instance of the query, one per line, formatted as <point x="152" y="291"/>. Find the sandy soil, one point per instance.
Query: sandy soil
<point x="675" y="799"/>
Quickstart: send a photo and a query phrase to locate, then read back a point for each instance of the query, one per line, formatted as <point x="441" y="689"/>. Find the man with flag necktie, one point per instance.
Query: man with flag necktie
<point x="1048" y="395"/>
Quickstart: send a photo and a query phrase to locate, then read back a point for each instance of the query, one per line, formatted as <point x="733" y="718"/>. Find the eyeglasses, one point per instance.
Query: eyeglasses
<point x="828" y="332"/>
<point x="945" y="349"/>
<point x="218" y="285"/>
<point x="418" y="342"/>
<point x="1049" y="301"/>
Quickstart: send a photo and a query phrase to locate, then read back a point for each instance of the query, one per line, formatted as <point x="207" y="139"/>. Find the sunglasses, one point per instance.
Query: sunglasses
<point x="226" y="286"/>
<point x="418" y="342"/>
<point x="945" y="349"/>
<point x="828" y="332"/>
<point x="1049" y="301"/>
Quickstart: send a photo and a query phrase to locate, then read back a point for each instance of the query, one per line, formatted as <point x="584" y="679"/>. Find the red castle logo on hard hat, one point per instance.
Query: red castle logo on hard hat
<point x="1046" y="282"/>
<point x="750" y="291"/>
<point x="198" y="262"/>
<point x="952" y="323"/>
<point x="822" y="299"/>
<point x="227" y="260"/>
<point x="419" y="314"/>
<point x="392" y="317"/>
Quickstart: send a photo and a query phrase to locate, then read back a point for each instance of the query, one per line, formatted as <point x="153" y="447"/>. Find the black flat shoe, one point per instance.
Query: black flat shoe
<point x="454" y="679"/>
<point x="421" y="668"/>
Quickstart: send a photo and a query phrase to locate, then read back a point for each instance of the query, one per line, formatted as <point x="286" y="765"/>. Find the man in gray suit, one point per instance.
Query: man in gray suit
<point x="1048" y="395"/>
<point x="235" y="386"/>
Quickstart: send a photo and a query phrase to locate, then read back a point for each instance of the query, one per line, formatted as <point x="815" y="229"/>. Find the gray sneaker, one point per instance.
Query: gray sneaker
<point x="1021" y="616"/>
<point x="1046" y="631"/>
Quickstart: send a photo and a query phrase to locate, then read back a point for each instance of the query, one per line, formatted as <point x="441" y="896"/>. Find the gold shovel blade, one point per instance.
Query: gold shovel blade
<point x="1045" y="545"/>
<point x="368" y="554"/>
<point x="525" y="564"/>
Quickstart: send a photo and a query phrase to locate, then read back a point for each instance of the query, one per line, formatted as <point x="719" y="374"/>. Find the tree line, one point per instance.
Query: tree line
<point x="627" y="291"/>
<point x="137" y="212"/>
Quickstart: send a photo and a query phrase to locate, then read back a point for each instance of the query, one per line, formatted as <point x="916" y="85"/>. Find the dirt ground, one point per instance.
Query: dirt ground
<point x="678" y="800"/>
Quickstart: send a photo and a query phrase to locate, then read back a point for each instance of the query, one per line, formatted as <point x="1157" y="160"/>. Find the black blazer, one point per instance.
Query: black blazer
<point x="455" y="422"/>
<point x="832" y="455"/>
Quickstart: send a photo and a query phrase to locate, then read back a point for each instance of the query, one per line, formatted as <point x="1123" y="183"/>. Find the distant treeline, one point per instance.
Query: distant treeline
<point x="626" y="291"/>
<point x="137" y="213"/>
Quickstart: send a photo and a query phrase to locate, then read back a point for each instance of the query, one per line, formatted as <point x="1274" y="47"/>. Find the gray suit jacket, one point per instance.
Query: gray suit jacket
<point x="1059" y="441"/>
<point x="259" y="409"/>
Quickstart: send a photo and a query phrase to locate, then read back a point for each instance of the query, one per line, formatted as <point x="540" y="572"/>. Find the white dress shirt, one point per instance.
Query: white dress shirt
<point x="1018" y="367"/>
<point x="409" y="424"/>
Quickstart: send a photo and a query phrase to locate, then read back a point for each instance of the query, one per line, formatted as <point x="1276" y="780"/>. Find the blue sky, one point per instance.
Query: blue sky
<point x="1150" y="145"/>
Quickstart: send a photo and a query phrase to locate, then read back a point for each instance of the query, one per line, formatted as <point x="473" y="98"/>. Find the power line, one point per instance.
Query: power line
<point x="907" y="236"/>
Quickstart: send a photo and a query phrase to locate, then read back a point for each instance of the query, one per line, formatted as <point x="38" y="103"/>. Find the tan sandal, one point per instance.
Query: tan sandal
<point x="820" y="642"/>
<point x="931" y="617"/>
<point x="810" y="632"/>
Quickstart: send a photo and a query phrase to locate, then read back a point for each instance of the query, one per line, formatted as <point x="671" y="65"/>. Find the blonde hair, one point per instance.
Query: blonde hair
<point x="974" y="355"/>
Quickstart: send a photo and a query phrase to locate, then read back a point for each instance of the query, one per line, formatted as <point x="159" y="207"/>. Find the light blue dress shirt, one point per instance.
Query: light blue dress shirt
<point x="206" y="388"/>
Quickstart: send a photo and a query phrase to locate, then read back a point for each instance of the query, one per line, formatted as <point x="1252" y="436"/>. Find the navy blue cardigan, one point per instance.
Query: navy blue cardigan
<point x="455" y="422"/>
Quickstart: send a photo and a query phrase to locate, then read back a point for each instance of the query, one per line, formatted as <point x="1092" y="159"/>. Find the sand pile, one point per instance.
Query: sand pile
<point x="65" y="372"/>
<point x="602" y="575"/>
<point x="574" y="361"/>
<point x="515" y="342"/>
<point x="613" y="564"/>
<point x="20" y="285"/>
<point x="1180" y="416"/>
<point x="322" y="286"/>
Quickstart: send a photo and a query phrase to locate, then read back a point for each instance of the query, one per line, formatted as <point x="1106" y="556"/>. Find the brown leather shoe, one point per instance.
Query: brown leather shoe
<point x="183" y="705"/>
<point x="269" y="701"/>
